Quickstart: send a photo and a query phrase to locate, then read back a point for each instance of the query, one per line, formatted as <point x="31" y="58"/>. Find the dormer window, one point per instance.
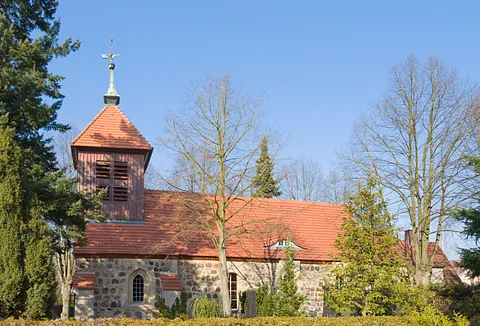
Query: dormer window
<point x="282" y="244"/>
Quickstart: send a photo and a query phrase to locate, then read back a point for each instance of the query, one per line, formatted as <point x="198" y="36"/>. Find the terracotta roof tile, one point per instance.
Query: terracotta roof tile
<point x="312" y="226"/>
<point x="440" y="259"/>
<point x="111" y="129"/>
<point x="171" y="282"/>
<point x="84" y="281"/>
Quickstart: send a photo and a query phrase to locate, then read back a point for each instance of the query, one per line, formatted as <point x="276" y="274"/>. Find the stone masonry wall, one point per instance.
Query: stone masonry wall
<point x="113" y="277"/>
<point x="199" y="278"/>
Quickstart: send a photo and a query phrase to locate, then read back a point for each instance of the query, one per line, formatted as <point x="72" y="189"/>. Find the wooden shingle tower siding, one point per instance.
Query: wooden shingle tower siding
<point x="111" y="153"/>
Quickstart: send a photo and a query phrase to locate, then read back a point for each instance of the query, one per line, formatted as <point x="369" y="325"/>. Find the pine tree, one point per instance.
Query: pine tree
<point x="471" y="219"/>
<point x="11" y="271"/>
<point x="372" y="279"/>
<point x="29" y="100"/>
<point x="265" y="185"/>
<point x="39" y="272"/>
<point x="290" y="301"/>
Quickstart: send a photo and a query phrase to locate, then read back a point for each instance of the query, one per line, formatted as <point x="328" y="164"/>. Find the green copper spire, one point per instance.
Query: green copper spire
<point x="111" y="97"/>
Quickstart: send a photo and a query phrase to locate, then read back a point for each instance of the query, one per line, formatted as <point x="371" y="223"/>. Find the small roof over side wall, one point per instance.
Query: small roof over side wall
<point x="171" y="282"/>
<point x="84" y="281"/>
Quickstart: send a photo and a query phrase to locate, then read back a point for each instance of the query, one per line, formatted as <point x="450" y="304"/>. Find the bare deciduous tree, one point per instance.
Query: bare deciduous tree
<point x="338" y="185"/>
<point x="216" y="139"/>
<point x="303" y="179"/>
<point x="61" y="143"/>
<point x="72" y="208"/>
<point x="414" y="142"/>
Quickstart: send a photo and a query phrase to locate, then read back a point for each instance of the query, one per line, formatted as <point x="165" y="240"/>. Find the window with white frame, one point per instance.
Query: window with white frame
<point x="283" y="243"/>
<point x="232" y="289"/>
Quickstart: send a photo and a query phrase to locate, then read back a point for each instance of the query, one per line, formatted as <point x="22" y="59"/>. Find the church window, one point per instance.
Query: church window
<point x="232" y="289"/>
<point x="138" y="289"/>
<point x="102" y="169"/>
<point x="120" y="194"/>
<point x="120" y="170"/>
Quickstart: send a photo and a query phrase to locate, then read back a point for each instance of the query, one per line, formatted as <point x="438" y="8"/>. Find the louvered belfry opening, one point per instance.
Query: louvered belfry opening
<point x="102" y="169"/>
<point x="120" y="170"/>
<point x="113" y="175"/>
<point x="120" y="194"/>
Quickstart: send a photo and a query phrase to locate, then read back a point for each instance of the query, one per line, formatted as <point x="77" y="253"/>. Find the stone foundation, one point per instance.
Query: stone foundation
<point x="112" y="293"/>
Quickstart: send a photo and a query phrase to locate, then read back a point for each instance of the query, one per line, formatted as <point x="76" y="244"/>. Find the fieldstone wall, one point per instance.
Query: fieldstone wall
<point x="200" y="278"/>
<point x="311" y="284"/>
<point x="112" y="294"/>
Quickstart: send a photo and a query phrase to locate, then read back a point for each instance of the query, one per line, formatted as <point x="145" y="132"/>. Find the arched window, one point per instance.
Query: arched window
<point x="137" y="289"/>
<point x="232" y="289"/>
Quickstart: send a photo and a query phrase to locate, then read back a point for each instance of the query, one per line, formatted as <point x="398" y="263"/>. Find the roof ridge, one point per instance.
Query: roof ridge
<point x="296" y="201"/>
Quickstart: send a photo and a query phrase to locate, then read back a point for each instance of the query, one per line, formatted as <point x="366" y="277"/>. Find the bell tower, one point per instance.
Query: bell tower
<point x="111" y="153"/>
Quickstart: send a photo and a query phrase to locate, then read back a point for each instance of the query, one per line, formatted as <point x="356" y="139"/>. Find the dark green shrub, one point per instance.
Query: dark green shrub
<point x="163" y="309"/>
<point x="243" y="302"/>
<point x="266" y="301"/>
<point x="206" y="308"/>
<point x="178" y="309"/>
<point x="289" y="301"/>
<point x="462" y="299"/>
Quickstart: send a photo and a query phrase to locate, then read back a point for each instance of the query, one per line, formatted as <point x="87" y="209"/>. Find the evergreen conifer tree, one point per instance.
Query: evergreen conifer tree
<point x="29" y="100"/>
<point x="290" y="301"/>
<point x="264" y="183"/>
<point x="11" y="271"/>
<point x="372" y="279"/>
<point x="471" y="219"/>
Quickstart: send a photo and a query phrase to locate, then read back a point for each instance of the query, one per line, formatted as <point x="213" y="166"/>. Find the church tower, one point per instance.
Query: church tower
<point x="111" y="153"/>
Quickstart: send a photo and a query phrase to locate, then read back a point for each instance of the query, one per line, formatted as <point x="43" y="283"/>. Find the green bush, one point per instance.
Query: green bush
<point x="206" y="308"/>
<point x="462" y="299"/>
<point x="267" y="301"/>
<point x="178" y="309"/>
<point x="243" y="302"/>
<point x="431" y="319"/>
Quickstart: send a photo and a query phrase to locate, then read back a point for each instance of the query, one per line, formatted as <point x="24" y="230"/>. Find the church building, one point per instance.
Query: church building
<point x="134" y="258"/>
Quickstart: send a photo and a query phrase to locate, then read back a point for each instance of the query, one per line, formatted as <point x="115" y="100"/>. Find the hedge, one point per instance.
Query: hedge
<point x="259" y="321"/>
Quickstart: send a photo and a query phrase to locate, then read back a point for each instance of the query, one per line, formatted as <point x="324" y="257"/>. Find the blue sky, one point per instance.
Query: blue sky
<point x="320" y="63"/>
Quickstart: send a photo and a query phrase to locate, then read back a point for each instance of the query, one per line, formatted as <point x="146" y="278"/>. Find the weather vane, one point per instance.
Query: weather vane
<point x="111" y="55"/>
<point x="112" y="97"/>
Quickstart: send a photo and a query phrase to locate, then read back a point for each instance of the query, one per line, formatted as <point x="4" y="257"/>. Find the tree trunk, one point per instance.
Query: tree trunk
<point x="66" y="287"/>
<point x="225" y="294"/>
<point x="422" y="276"/>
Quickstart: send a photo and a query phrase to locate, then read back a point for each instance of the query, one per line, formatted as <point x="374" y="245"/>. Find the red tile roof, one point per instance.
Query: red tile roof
<point x="84" y="281"/>
<point x="440" y="259"/>
<point x="450" y="275"/>
<point x="171" y="282"/>
<point x="168" y="230"/>
<point x="111" y="129"/>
